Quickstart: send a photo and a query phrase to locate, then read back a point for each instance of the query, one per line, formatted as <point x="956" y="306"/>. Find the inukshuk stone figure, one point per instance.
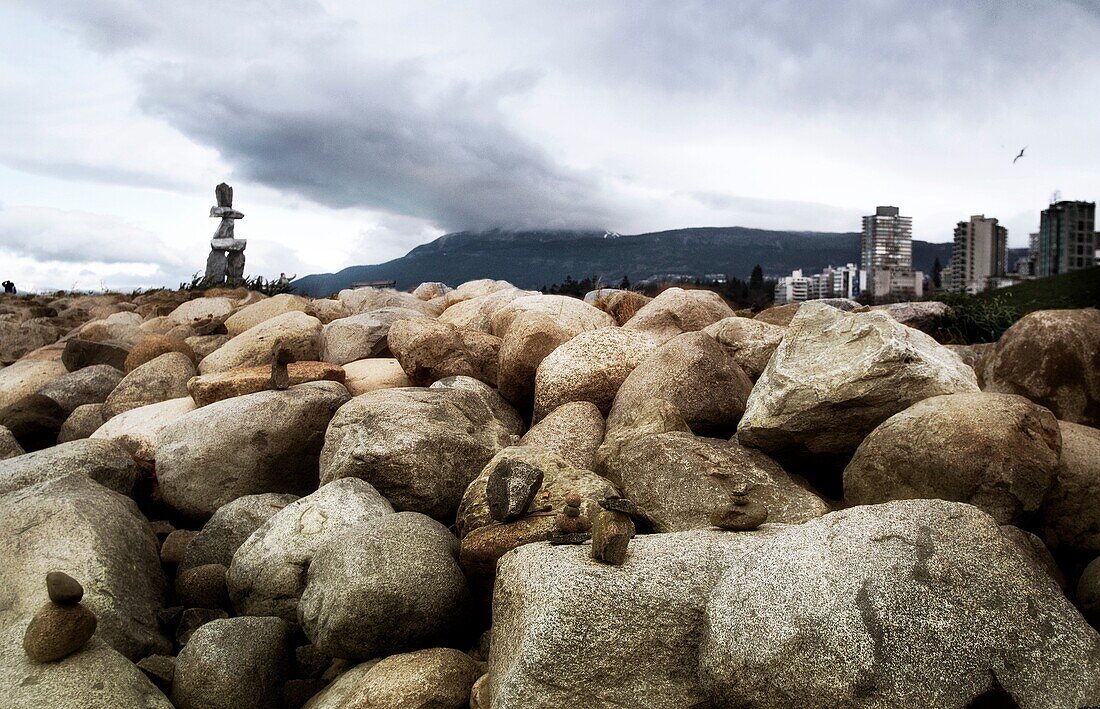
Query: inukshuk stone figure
<point x="226" y="261"/>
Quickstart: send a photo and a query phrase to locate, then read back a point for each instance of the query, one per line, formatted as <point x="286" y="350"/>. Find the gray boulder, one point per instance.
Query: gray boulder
<point x="574" y="431"/>
<point x="268" y="572"/>
<point x="750" y="342"/>
<point x="160" y="379"/>
<point x="83" y="422"/>
<point x="389" y="584"/>
<point x="234" y="663"/>
<point x="419" y="447"/>
<point x="90" y="385"/>
<point x="230" y="527"/>
<point x="440" y="678"/>
<point x="102" y="461"/>
<point x="1071" y="512"/>
<point x="264" y="442"/>
<point x="362" y="336"/>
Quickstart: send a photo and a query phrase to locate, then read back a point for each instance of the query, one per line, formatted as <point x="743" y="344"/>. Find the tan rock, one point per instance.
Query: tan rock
<point x="574" y="431"/>
<point x="476" y="313"/>
<point x="329" y="309"/>
<point x="364" y="300"/>
<point x="750" y="341"/>
<point x="572" y="314"/>
<point x="150" y="347"/>
<point x="429" y="350"/>
<point x="199" y="309"/>
<point x="364" y="335"/>
<point x="365" y="375"/>
<point x="207" y="388"/>
<point x="619" y="304"/>
<point x="295" y="331"/>
<point x="677" y="310"/>
<point x="137" y="429"/>
<point x="531" y="337"/>
<point x="159" y="379"/>
<point x="265" y="309"/>
<point x="26" y="377"/>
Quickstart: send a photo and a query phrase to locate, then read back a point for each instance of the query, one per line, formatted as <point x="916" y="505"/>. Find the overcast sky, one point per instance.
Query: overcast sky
<point x="353" y="131"/>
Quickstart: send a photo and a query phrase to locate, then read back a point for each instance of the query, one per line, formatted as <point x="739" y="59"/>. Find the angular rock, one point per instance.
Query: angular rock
<point x="160" y="379"/>
<point x="256" y="313"/>
<point x="17" y="339"/>
<point x="390" y="584"/>
<point x="419" y="447"/>
<point x="104" y="462"/>
<point x="9" y="447"/>
<point x="750" y="342"/>
<point x="264" y="442"/>
<point x="80" y="353"/>
<point x="574" y="431"/>
<point x="431" y="289"/>
<point x="160" y="669"/>
<point x="922" y="315"/>
<point x="651" y="417"/>
<point x="590" y="367"/>
<point x="327" y="309"/>
<point x="429" y="350"/>
<point x="63" y="589"/>
<point x="1053" y="358"/>
<point x="297" y="332"/>
<point x="235" y="663"/>
<point x="619" y="304"/>
<point x="202" y="345"/>
<point x="676" y="310"/>
<point x="511" y="487"/>
<point x="362" y="336"/>
<point x="365" y="375"/>
<point x="208" y="388"/>
<point x="202" y="586"/>
<point x="1071" y="512"/>
<point x="230" y="527"/>
<point x="611" y="535"/>
<point x="268" y="571"/>
<point x="836" y="376"/>
<point x="90" y="385"/>
<point x="998" y="452"/>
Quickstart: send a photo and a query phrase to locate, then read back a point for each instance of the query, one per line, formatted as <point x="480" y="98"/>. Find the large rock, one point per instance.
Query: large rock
<point x="200" y="309"/>
<point x="26" y="377"/>
<point x="234" y="663"/>
<point x="365" y="375"/>
<point x="82" y="422"/>
<point x="429" y="350"/>
<point x="230" y="527"/>
<point x="105" y="462"/>
<point x="573" y="315"/>
<point x="750" y="342"/>
<point x="362" y="336"/>
<point x="677" y="480"/>
<point x="574" y="431"/>
<point x="531" y="337"/>
<point x="264" y="442"/>
<point x="17" y="339"/>
<point x="202" y="345"/>
<point x="121" y="327"/>
<point x="1071" y="512"/>
<point x="98" y="537"/>
<point x="439" y="678"/>
<point x="256" y="313"/>
<point x="34" y="420"/>
<point x="90" y="385"/>
<point x="590" y="367"/>
<point x="651" y="417"/>
<point x="160" y="379"/>
<point x="366" y="299"/>
<point x="139" y="429"/>
<point x="677" y="310"/>
<point x="419" y="447"/>
<point x="431" y="289"/>
<point x="837" y="375"/>
<point x="696" y="375"/>
<point x="1053" y="358"/>
<point x="150" y="347"/>
<point x="80" y="353"/>
<point x="982" y="618"/>
<point x="922" y="315"/>
<point x="998" y="452"/>
<point x="476" y="312"/>
<point x="268" y="571"/>
<point x="389" y="584"/>
<point x="209" y="388"/>
<point x="295" y="331"/>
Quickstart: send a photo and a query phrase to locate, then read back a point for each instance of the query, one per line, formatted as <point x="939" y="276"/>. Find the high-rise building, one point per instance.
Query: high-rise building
<point x="794" y="288"/>
<point x="978" y="257"/>
<point x="846" y="281"/>
<point x="1067" y="237"/>
<point x="886" y="256"/>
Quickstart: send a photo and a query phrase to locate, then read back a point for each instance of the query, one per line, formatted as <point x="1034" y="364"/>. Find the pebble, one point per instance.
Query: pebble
<point x="63" y="589"/>
<point x="58" y="631"/>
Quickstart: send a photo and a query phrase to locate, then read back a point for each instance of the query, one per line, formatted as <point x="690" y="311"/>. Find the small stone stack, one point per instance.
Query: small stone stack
<point x="741" y="514"/>
<point x="280" y="358"/>
<point x="571" y="527"/>
<point x="63" y="625"/>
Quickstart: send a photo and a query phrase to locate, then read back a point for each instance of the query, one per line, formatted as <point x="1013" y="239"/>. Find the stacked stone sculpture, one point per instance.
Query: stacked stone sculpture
<point x="225" y="265"/>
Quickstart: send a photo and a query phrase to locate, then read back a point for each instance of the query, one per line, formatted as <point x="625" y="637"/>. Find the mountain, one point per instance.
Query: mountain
<point x="532" y="259"/>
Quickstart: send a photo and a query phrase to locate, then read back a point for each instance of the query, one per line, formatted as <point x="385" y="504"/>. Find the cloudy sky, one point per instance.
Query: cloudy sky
<point x="354" y="131"/>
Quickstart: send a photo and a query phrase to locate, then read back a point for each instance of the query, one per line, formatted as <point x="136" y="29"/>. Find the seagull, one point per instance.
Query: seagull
<point x="1020" y="155"/>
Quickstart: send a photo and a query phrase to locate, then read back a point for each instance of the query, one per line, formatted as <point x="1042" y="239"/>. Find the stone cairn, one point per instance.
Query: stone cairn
<point x="571" y="527"/>
<point x="740" y="514"/>
<point x="63" y="625"/>
<point x="281" y="356"/>
<point x="225" y="265"/>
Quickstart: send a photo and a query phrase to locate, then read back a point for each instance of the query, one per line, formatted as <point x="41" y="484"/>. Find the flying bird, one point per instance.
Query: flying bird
<point x="1020" y="155"/>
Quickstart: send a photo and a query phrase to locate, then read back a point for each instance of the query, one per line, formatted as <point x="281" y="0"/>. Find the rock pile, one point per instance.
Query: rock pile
<point x="489" y="497"/>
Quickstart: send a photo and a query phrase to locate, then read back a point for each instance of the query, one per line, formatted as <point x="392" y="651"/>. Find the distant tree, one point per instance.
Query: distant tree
<point x="625" y="283"/>
<point x="756" y="280"/>
<point x="937" y="269"/>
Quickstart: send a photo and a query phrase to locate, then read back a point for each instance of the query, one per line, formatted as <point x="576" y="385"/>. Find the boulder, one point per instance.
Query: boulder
<point x="531" y="337"/>
<point x="750" y="342"/>
<point x="256" y="313"/>
<point x="619" y="304"/>
<point x="202" y="586"/>
<point x="1071" y="512"/>
<point x="651" y="417"/>
<point x="677" y="480"/>
<point x="419" y="447"/>
<point x="998" y="452"/>
<point x="202" y="345"/>
<point x="208" y="388"/>
<point x="676" y="310"/>
<point x="26" y="377"/>
<point x="9" y="447"/>
<point x="80" y="353"/>
<point x="696" y="375"/>
<point x="364" y="300"/>
<point x="590" y="367"/>
<point x="440" y="678"/>
<point x="429" y="350"/>
<point x="476" y="312"/>
<point x="34" y="420"/>
<point x="229" y="528"/>
<point x="200" y="309"/>
<point x="160" y="379"/>
<point x="119" y="327"/>
<point x="476" y="288"/>
<point x="294" y="331"/>
<point x="1088" y="592"/>
<point x="234" y="663"/>
<point x="572" y="315"/>
<point x="17" y="339"/>
<point x="139" y="429"/>
<point x="105" y="462"/>
<point x="327" y="309"/>
<point x="98" y="537"/>
<point x="362" y="336"/>
<point x="150" y="347"/>
<point x="574" y="431"/>
<point x="268" y="572"/>
<point x="974" y="356"/>
<point x="1053" y="358"/>
<point x="365" y="375"/>
<point x="431" y="289"/>
<point x="837" y="375"/>
<point x="390" y="584"/>
<point x="984" y="619"/>
<point x="782" y="315"/>
<point x="923" y="315"/>
<point x="90" y="385"/>
<point x="263" y="442"/>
